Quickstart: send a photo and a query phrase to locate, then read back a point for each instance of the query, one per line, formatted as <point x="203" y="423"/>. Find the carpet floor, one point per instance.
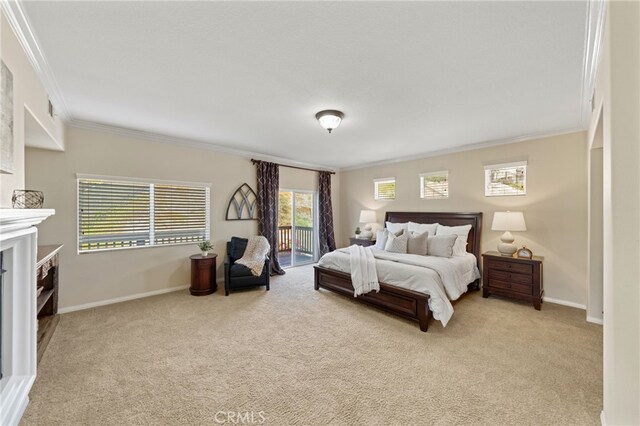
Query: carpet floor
<point x="303" y="357"/>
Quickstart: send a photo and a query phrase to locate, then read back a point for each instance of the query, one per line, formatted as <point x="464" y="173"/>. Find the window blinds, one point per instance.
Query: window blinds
<point x="385" y="189"/>
<point x="122" y="214"/>
<point x="434" y="185"/>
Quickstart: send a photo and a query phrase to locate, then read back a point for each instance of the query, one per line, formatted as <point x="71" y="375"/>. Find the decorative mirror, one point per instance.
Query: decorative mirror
<point x="242" y="205"/>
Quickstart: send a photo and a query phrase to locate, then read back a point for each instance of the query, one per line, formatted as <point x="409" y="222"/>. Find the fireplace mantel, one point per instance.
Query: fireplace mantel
<point x="18" y="243"/>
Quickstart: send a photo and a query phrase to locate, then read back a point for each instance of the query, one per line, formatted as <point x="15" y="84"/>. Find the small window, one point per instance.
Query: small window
<point x="434" y="185"/>
<point x="117" y="213"/>
<point x="505" y="179"/>
<point x="385" y="189"/>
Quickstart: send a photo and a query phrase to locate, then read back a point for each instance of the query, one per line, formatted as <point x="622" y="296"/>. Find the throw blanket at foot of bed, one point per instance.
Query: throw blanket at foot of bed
<point x="255" y="254"/>
<point x="363" y="270"/>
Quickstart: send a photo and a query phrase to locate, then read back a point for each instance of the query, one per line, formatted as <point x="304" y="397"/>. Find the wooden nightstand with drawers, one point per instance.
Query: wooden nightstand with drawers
<point x="512" y="277"/>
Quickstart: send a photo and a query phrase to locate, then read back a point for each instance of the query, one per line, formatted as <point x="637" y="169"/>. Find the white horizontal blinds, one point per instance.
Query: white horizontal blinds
<point x="385" y="189"/>
<point x="112" y="214"/>
<point x="180" y="214"/>
<point x="434" y="185"/>
<point x="505" y="179"/>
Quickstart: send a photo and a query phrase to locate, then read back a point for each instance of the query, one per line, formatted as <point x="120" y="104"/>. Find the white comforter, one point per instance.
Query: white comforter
<point x="443" y="279"/>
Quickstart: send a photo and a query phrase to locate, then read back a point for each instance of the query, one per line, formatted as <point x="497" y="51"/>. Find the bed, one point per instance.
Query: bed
<point x="405" y="302"/>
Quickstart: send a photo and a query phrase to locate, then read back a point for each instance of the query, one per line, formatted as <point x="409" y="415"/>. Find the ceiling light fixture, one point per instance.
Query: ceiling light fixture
<point x="329" y="119"/>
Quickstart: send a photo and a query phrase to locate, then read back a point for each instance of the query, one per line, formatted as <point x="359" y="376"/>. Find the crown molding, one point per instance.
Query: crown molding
<point x="190" y="143"/>
<point x="463" y="148"/>
<point x="21" y="27"/>
<point x="594" y="34"/>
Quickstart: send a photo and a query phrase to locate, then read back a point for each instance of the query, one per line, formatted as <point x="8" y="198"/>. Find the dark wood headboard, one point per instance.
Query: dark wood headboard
<point x="448" y="219"/>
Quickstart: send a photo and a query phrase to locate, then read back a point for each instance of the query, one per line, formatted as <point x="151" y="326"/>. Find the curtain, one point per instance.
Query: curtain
<point x="268" y="190"/>
<point x="325" y="214"/>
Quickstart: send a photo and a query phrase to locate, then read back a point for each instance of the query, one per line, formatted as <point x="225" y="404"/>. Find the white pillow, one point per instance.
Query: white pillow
<point x="441" y="246"/>
<point x="417" y="243"/>
<point x="423" y="227"/>
<point x="395" y="227"/>
<point x="381" y="239"/>
<point x="460" y="247"/>
<point x="397" y="244"/>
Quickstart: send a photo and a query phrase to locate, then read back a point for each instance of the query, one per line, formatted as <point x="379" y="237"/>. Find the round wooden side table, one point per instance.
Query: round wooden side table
<point x="203" y="274"/>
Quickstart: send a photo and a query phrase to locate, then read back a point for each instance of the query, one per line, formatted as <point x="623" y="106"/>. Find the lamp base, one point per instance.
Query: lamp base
<point x="506" y="247"/>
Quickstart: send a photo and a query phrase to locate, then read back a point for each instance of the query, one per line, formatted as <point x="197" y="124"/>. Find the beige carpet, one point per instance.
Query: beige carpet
<point x="297" y="356"/>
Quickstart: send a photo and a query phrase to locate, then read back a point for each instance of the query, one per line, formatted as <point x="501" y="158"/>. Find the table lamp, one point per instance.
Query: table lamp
<point x="368" y="217"/>
<point x="508" y="221"/>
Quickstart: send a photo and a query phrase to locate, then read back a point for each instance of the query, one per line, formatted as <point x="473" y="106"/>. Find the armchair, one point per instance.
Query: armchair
<point x="239" y="276"/>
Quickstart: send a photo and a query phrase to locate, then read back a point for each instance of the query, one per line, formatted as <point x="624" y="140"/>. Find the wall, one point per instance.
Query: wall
<point x="29" y="98"/>
<point x="555" y="206"/>
<point x="619" y="73"/>
<point x="96" y="277"/>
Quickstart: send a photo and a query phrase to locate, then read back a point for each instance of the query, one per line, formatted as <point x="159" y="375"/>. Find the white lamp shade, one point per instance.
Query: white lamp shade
<point x="367" y="216"/>
<point x="508" y="221"/>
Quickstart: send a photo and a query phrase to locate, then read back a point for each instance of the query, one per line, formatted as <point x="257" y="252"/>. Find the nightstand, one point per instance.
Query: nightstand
<point x="361" y="242"/>
<point x="203" y="274"/>
<point x="512" y="277"/>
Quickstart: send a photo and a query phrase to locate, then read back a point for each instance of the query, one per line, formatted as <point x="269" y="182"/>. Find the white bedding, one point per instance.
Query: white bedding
<point x="443" y="279"/>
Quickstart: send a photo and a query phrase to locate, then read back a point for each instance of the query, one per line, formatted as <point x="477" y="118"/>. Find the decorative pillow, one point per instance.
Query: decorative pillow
<point x="417" y="243"/>
<point x="462" y="232"/>
<point x="395" y="227"/>
<point x="441" y="245"/>
<point x="397" y="244"/>
<point x="423" y="227"/>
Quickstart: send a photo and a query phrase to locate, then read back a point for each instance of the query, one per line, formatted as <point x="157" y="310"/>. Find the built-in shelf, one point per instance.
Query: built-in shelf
<point x="47" y="275"/>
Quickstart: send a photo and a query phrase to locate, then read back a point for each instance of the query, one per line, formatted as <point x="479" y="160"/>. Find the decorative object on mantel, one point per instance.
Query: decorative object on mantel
<point x="329" y="119"/>
<point x="524" y="253"/>
<point x="204" y="247"/>
<point x="368" y="217"/>
<point x="27" y="199"/>
<point x="508" y="221"/>
<point x="243" y="201"/>
<point x="6" y="119"/>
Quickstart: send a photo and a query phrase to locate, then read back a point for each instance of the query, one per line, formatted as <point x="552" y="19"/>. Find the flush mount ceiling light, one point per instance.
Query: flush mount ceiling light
<point x="329" y="119"/>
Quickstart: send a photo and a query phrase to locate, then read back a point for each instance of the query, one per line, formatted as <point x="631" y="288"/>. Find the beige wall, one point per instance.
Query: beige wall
<point x="29" y="93"/>
<point x="619" y="73"/>
<point x="555" y="207"/>
<point x="95" y="277"/>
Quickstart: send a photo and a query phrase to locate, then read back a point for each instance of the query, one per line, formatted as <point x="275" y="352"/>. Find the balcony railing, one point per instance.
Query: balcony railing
<point x="304" y="239"/>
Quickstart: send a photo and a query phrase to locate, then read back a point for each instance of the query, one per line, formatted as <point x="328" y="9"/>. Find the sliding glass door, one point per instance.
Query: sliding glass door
<point x="296" y="227"/>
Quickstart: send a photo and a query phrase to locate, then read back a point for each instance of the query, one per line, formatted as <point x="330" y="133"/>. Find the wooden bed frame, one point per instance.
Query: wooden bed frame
<point x="405" y="303"/>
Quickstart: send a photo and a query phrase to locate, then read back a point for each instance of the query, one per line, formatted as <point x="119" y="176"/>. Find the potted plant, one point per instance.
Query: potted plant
<point x="204" y="247"/>
<point x="358" y="232"/>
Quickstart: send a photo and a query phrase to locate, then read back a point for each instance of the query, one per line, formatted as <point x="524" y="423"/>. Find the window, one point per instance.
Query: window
<point x="385" y="189"/>
<point x="434" y="185"/>
<point x="505" y="179"/>
<point x="117" y="213"/>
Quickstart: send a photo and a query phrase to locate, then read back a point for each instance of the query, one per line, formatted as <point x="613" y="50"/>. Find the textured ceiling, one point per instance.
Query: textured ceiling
<point x="411" y="78"/>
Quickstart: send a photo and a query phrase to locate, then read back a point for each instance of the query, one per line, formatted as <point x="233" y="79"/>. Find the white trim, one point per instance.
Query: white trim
<point x="595" y="320"/>
<point x="378" y="181"/>
<point x="421" y="177"/>
<point x="142" y="180"/>
<point x="22" y="28"/>
<point x="466" y="147"/>
<point x="603" y="419"/>
<point x="564" y="303"/>
<point x="385" y="180"/>
<point x="120" y="299"/>
<point x="190" y="143"/>
<point x="505" y="165"/>
<point x="594" y="31"/>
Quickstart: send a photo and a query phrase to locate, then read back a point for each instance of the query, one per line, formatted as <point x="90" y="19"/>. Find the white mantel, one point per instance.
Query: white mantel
<point x="18" y="240"/>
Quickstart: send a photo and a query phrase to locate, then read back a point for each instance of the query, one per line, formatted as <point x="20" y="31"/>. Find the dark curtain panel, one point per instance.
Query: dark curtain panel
<point x="325" y="214"/>
<point x="268" y="190"/>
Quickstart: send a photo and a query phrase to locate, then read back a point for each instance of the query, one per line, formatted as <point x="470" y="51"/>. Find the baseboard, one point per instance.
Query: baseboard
<point x="119" y="299"/>
<point x="595" y="320"/>
<point x="602" y="419"/>
<point x="564" y="303"/>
